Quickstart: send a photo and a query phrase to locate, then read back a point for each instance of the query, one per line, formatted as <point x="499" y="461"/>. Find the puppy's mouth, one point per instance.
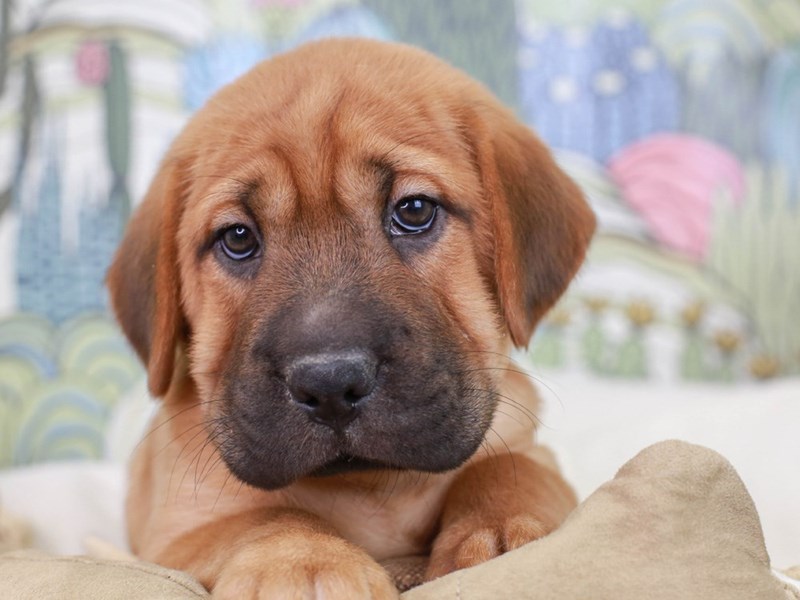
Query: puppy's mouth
<point x="427" y="423"/>
<point x="346" y="463"/>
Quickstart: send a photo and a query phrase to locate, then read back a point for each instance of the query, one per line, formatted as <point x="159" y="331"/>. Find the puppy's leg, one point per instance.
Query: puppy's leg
<point x="496" y="505"/>
<point x="277" y="554"/>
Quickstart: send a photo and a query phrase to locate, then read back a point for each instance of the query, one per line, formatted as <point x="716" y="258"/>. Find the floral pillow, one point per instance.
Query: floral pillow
<point x="678" y="118"/>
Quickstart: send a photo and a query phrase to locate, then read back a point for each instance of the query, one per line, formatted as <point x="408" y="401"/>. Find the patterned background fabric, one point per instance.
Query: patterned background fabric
<point x="679" y="118"/>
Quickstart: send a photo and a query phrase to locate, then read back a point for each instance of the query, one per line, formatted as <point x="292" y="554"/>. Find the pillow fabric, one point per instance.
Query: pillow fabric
<point x="677" y="117"/>
<point x="676" y="522"/>
<point x="33" y="575"/>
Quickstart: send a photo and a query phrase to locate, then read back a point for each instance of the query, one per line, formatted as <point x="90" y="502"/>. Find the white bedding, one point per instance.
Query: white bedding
<point x="593" y="425"/>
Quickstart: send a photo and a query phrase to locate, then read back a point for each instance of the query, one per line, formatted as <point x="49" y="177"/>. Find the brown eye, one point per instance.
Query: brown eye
<point x="238" y="242"/>
<point x="413" y="215"/>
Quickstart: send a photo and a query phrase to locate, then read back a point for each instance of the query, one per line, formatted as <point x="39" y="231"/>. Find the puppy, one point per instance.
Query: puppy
<point x="324" y="281"/>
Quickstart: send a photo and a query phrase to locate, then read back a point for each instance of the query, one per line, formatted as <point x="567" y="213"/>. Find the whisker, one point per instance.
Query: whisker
<point x="221" y="489"/>
<point x="520" y="371"/>
<point x="171" y="417"/>
<point x="177" y="437"/>
<point x="180" y="453"/>
<point x="385" y="500"/>
<point x="508" y="401"/>
<point x="510" y="454"/>
<point x="487" y="448"/>
<point x="195" y="457"/>
<point x="517" y="421"/>
<point x="206" y="474"/>
<point x="217" y="458"/>
<point x="195" y="460"/>
<point x="372" y="488"/>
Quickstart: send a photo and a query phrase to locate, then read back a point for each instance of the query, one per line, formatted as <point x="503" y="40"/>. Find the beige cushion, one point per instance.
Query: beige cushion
<point x="676" y="522"/>
<point x="32" y="575"/>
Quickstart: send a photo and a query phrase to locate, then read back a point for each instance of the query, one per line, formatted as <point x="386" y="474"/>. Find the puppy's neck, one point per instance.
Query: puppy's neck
<point x="376" y="484"/>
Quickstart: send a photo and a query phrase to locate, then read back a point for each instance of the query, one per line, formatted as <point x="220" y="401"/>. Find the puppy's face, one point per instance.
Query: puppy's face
<point x="332" y="288"/>
<point x="342" y="241"/>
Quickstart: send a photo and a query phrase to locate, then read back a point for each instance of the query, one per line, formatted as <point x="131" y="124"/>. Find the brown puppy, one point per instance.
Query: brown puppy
<point x="324" y="281"/>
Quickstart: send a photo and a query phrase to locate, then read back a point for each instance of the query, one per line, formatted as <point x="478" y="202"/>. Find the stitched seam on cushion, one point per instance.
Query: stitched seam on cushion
<point x="131" y="566"/>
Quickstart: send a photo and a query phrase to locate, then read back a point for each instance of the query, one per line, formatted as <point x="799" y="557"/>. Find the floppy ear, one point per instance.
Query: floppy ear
<point x="541" y="223"/>
<point x="144" y="278"/>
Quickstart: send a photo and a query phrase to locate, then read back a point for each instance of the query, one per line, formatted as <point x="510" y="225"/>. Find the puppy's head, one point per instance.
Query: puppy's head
<point x="342" y="242"/>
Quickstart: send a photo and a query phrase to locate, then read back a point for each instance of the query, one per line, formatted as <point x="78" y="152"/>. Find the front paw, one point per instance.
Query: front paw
<point x="312" y="569"/>
<point x="470" y="542"/>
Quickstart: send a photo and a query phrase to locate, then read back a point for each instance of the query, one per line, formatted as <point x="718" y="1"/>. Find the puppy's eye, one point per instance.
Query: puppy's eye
<point x="414" y="214"/>
<point x="238" y="242"/>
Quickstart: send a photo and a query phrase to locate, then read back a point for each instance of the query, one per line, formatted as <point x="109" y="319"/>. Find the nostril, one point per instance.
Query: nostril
<point x="362" y="384"/>
<point x="309" y="401"/>
<point x="352" y="397"/>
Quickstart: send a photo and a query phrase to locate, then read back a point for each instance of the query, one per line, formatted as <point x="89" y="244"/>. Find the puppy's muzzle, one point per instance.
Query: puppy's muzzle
<point x="332" y="387"/>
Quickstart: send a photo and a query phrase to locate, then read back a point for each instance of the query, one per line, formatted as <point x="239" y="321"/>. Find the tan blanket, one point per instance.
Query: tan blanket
<point x="675" y="523"/>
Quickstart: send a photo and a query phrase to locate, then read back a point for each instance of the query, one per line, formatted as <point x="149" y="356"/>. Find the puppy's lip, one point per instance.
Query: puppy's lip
<point x="345" y="463"/>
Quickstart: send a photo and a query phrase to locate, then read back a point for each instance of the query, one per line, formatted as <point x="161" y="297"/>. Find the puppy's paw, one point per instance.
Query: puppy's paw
<point x="470" y="542"/>
<point x="278" y="568"/>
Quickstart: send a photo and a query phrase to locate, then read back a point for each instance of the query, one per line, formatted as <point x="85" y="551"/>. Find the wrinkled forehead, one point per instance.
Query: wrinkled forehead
<point x="334" y="144"/>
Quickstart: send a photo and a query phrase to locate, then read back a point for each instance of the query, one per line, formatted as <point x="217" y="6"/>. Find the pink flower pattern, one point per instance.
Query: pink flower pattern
<point x="673" y="182"/>
<point x="92" y="63"/>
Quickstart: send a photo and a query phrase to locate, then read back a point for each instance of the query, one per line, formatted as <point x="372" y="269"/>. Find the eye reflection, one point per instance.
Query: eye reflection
<point x="414" y="214"/>
<point x="238" y="242"/>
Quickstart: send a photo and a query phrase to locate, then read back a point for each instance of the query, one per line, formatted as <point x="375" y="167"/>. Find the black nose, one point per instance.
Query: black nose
<point x="330" y="386"/>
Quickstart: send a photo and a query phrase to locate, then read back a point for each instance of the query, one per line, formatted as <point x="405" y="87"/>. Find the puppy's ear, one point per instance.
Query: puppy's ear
<point x="144" y="278"/>
<point x="541" y="223"/>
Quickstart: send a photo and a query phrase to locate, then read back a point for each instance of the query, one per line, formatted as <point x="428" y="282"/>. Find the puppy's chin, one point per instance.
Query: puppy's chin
<point x="278" y="468"/>
<point x="277" y="479"/>
<point x="346" y="463"/>
<point x="254" y="473"/>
